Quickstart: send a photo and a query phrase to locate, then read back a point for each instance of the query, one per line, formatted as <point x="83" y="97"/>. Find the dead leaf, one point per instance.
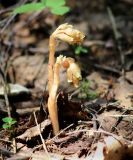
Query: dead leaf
<point x="102" y="84"/>
<point x="129" y="76"/>
<point x="114" y="149"/>
<point x="111" y="149"/>
<point x="107" y="121"/>
<point x="123" y="92"/>
<point x="31" y="69"/>
<point x="34" y="131"/>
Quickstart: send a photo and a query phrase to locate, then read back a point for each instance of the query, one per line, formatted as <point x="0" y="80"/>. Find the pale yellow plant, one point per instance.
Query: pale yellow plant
<point x="67" y="33"/>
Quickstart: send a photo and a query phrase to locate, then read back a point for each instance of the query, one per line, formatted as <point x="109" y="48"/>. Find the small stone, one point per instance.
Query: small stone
<point x="14" y="89"/>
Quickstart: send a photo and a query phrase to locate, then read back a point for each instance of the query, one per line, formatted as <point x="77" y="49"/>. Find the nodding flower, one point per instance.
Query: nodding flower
<point x="72" y="68"/>
<point x="67" y="33"/>
<point x="73" y="71"/>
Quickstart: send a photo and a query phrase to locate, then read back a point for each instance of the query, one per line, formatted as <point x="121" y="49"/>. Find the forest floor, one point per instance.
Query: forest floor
<point x="96" y="119"/>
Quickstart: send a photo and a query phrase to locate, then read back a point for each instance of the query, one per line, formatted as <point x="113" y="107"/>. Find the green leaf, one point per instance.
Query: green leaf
<point x="43" y="1"/>
<point x="5" y="126"/>
<point x="92" y="95"/>
<point x="54" y="3"/>
<point x="77" y="51"/>
<point x="60" y="10"/>
<point x="13" y="122"/>
<point x="80" y="50"/>
<point x="29" y="7"/>
<point x="84" y="50"/>
<point x="7" y="119"/>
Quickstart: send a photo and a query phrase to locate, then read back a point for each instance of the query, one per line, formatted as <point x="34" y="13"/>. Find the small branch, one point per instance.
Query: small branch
<point x="43" y="142"/>
<point x="5" y="85"/>
<point x="117" y="37"/>
<point x="62" y="131"/>
<point x="98" y="131"/>
<point x="113" y="22"/>
<point x="14" y="145"/>
<point x="6" y="141"/>
<point x="8" y="23"/>
<point x="107" y="68"/>
<point x="120" y="115"/>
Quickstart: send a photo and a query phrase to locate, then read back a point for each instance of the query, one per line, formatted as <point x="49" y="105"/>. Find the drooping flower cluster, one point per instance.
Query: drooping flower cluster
<point x="73" y="69"/>
<point x="67" y="33"/>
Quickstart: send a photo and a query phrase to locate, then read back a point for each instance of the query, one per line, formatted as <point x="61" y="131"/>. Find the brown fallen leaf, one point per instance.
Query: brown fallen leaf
<point x="115" y="149"/>
<point x="123" y="91"/>
<point x="111" y="149"/>
<point x="129" y="76"/>
<point x="34" y="131"/>
<point x="102" y="84"/>
<point x="31" y="69"/>
<point x="38" y="155"/>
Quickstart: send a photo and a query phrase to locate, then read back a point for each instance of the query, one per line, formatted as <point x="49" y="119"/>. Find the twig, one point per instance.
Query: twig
<point x="14" y="144"/>
<point x="6" y="141"/>
<point x="117" y="115"/>
<point x="62" y="131"/>
<point x="117" y="37"/>
<point x="7" y="24"/>
<point x="119" y="119"/>
<point x="76" y="92"/>
<point x="11" y="18"/>
<point x="99" y="131"/>
<point x="107" y="68"/>
<point x="113" y="22"/>
<point x="43" y="142"/>
<point x="5" y="85"/>
<point x="3" y="74"/>
<point x="90" y="43"/>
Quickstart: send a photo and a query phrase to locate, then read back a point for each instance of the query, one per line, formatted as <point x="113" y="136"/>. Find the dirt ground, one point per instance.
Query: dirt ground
<point x="96" y="119"/>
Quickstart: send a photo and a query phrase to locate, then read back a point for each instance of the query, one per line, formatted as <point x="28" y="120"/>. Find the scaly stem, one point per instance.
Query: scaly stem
<point x="53" y="83"/>
<point x="52" y="100"/>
